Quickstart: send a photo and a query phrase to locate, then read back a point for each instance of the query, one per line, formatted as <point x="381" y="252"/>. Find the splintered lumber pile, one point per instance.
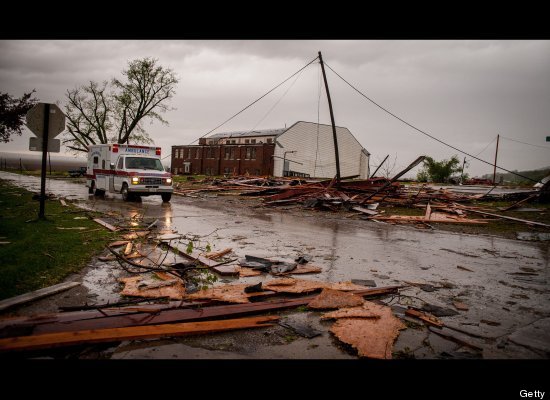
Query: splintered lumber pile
<point x="61" y="339"/>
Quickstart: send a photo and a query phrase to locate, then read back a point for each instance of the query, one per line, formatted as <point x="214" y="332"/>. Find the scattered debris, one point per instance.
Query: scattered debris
<point x="491" y="323"/>
<point x="364" y="282"/>
<point x="254" y="288"/>
<point x="217" y="254"/>
<point x="438" y="311"/>
<point x="454" y="339"/>
<point x="118" y="243"/>
<point x="460" y="306"/>
<point x="427" y="318"/>
<point x="464" y="268"/>
<point x="49" y="340"/>
<point x="351" y="312"/>
<point x="300" y="328"/>
<point x="245" y="272"/>
<point x="168" y="286"/>
<point x="37" y="294"/>
<point x="330" y="298"/>
<point x="106" y="225"/>
<point x="372" y="337"/>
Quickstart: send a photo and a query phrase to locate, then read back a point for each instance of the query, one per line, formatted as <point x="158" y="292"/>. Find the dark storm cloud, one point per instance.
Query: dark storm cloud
<point x="463" y="92"/>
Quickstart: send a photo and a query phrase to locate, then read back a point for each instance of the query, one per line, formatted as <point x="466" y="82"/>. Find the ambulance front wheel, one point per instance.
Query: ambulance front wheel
<point x="166" y="197"/>
<point x="124" y="192"/>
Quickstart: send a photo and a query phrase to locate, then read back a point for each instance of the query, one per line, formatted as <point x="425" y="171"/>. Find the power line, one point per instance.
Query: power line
<point x="255" y="101"/>
<point x="492" y="141"/>
<point x="421" y="131"/>
<point x="277" y="102"/>
<point x="529" y="144"/>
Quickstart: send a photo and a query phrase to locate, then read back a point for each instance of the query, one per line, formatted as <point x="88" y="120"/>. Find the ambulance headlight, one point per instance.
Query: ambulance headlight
<point x="135" y="180"/>
<point x="168" y="181"/>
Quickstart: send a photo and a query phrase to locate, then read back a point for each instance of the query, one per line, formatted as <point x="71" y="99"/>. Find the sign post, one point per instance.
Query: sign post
<point x="46" y="121"/>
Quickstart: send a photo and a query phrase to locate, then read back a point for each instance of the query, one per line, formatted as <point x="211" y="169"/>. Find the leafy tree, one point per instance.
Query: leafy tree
<point x="12" y="114"/>
<point x="115" y="111"/>
<point x="440" y="171"/>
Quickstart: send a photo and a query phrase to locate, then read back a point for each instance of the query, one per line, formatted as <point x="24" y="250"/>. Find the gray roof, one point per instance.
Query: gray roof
<point x="263" y="132"/>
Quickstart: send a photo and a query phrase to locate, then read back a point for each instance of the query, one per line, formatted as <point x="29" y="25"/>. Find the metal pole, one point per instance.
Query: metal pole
<point x="50" y="162"/>
<point x="382" y="163"/>
<point x="20" y="166"/>
<point x="44" y="155"/>
<point x="496" y="155"/>
<point x="462" y="172"/>
<point x="336" y="156"/>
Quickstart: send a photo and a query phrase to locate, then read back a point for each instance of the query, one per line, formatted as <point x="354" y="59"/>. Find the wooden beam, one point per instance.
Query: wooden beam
<point x="82" y="320"/>
<point x="106" y="225"/>
<point x="62" y="339"/>
<point x="503" y="216"/>
<point x="37" y="294"/>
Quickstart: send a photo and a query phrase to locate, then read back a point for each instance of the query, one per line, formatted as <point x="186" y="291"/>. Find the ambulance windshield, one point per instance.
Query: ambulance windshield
<point x="143" y="163"/>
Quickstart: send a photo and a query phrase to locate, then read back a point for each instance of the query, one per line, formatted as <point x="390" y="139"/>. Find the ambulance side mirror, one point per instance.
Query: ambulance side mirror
<point x="112" y="166"/>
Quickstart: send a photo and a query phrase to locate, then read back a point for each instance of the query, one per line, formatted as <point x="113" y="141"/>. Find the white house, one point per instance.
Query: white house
<point x="308" y="148"/>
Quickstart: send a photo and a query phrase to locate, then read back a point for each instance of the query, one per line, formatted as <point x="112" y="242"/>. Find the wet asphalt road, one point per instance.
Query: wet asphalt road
<point x="507" y="306"/>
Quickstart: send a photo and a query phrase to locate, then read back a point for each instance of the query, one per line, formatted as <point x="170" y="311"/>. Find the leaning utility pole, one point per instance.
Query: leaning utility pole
<point x="496" y="155"/>
<point x="336" y="156"/>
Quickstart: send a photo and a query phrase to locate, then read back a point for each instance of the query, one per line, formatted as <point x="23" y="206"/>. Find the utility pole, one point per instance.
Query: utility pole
<point x="496" y="155"/>
<point x="50" y="162"/>
<point x="336" y="156"/>
<point x="462" y="172"/>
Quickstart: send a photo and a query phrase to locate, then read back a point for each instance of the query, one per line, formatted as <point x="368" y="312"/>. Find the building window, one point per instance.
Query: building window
<point x="250" y="153"/>
<point x="253" y="141"/>
<point x="209" y="152"/>
<point x="269" y="140"/>
<point x="197" y="154"/>
<point x="181" y="153"/>
<point x="96" y="160"/>
<point x="246" y="141"/>
<point x="189" y="154"/>
<point x="233" y="141"/>
<point x="227" y="153"/>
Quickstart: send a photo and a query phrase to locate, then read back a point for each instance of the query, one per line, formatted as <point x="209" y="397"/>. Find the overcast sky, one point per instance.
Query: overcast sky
<point x="462" y="92"/>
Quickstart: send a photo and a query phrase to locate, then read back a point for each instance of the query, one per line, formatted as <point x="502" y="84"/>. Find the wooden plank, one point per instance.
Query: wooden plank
<point x="519" y="202"/>
<point x="364" y="210"/>
<point x="195" y="255"/>
<point x="37" y="294"/>
<point x="427" y="318"/>
<point x="62" y="339"/>
<point x="217" y="254"/>
<point x="428" y="212"/>
<point x="106" y="225"/>
<point x="63" y="203"/>
<point x="128" y="249"/>
<point x="504" y="216"/>
<point x="87" y="320"/>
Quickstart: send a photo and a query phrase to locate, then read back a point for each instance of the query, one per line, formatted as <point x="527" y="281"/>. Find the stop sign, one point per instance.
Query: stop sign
<point x="35" y="120"/>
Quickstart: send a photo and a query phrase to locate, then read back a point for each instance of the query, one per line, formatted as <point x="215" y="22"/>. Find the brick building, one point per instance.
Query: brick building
<point x="304" y="149"/>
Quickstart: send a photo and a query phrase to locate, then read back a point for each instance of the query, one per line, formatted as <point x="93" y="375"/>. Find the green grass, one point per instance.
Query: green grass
<point x="39" y="254"/>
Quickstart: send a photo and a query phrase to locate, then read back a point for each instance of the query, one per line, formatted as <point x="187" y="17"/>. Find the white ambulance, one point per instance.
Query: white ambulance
<point x="132" y="171"/>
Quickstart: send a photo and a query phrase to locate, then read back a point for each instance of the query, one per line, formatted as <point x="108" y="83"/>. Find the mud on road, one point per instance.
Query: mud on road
<point x="502" y="283"/>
